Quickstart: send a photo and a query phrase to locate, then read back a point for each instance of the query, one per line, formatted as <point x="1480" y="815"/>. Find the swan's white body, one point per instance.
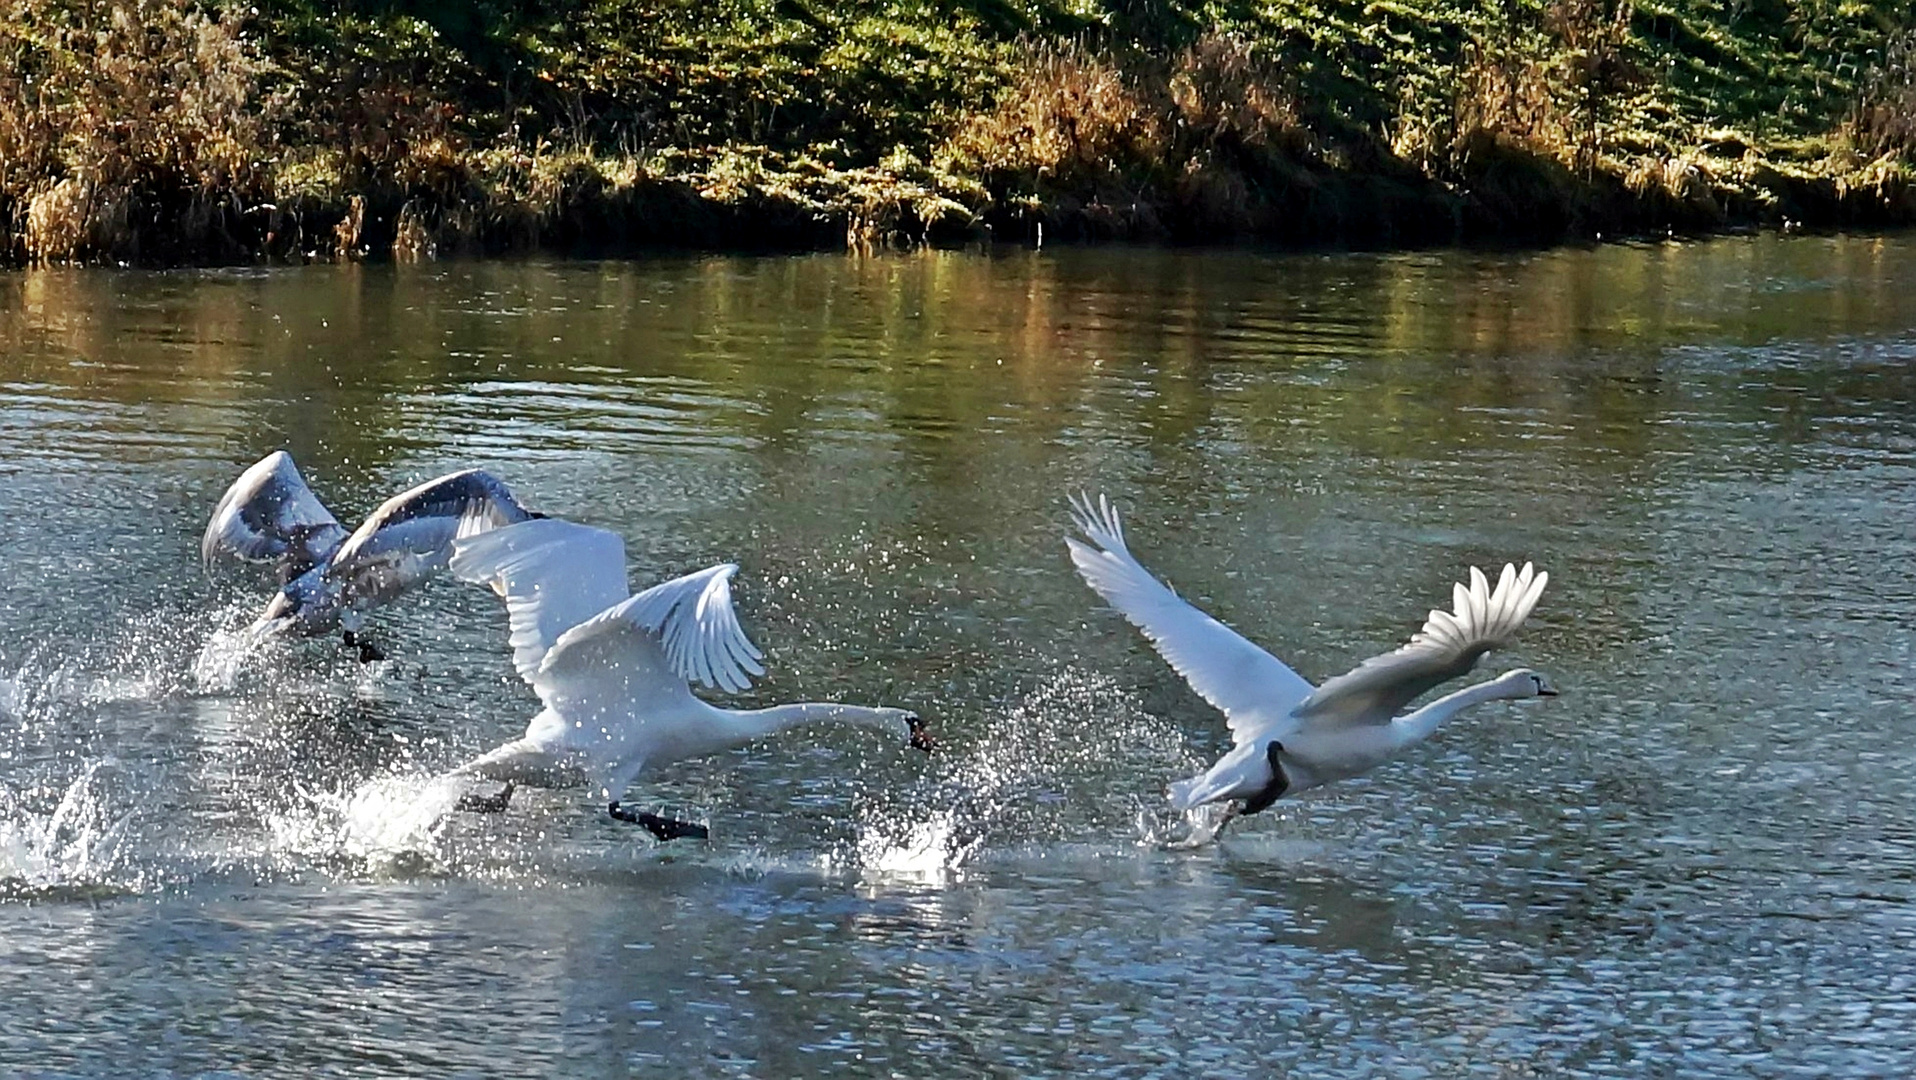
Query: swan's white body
<point x="614" y="671"/>
<point x="1290" y="737"/>
<point x="329" y="579"/>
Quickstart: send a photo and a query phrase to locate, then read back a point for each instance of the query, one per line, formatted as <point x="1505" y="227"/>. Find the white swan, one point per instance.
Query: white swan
<point x="328" y="579"/>
<point x="613" y="670"/>
<point x="1290" y="737"/>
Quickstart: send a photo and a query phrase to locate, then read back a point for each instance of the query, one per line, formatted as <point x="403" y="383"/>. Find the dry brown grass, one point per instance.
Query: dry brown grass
<point x="117" y="112"/>
<point x="1070" y="119"/>
<point x="1227" y="92"/>
<point x="392" y="136"/>
<point x="1594" y="67"/>
<point x="1884" y="120"/>
<point x="1506" y="92"/>
<point x="139" y="130"/>
<point x="1683" y="187"/>
<point x="1132" y="146"/>
<point x="159" y="131"/>
<point x="1239" y="124"/>
<point x="1548" y="90"/>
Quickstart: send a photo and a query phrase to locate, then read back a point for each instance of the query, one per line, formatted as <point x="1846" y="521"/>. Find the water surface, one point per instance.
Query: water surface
<point x="1698" y="861"/>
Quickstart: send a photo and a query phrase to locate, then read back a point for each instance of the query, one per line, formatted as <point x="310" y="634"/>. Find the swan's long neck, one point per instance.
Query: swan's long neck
<point x="757" y="723"/>
<point x="1413" y="728"/>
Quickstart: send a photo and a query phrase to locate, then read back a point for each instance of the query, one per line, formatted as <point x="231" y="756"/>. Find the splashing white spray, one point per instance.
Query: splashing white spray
<point x="221" y="660"/>
<point x="1078" y="756"/>
<point x="13" y="697"/>
<point x="78" y="845"/>
<point x="388" y="823"/>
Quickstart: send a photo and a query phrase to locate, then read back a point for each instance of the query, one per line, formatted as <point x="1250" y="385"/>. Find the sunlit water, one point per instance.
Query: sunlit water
<point x="1699" y="861"/>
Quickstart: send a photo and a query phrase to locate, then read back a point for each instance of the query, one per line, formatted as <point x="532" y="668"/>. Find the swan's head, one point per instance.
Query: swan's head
<point x="1525" y="683"/>
<point x="918" y="736"/>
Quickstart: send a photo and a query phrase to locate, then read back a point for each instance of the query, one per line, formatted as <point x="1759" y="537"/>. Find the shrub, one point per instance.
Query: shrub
<point x="1068" y="119"/>
<point x="115" y="113"/>
<point x="1228" y="93"/>
<point x="1884" y="120"/>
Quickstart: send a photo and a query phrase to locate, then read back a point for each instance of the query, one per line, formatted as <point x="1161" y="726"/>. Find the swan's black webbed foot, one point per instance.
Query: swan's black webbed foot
<point x="486" y="804"/>
<point x="920" y="734"/>
<point x="662" y="827"/>
<point x="368" y="652"/>
<point x="1279" y="782"/>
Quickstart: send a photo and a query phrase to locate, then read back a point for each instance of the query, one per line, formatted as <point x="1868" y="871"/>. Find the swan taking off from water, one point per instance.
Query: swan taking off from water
<point x="329" y="579"/>
<point x="614" y="670"/>
<point x="1290" y="737"/>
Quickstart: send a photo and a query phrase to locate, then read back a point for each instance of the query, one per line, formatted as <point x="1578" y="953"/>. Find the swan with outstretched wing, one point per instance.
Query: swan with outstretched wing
<point x="615" y="671"/>
<point x="1288" y="736"/>
<point x="330" y="579"/>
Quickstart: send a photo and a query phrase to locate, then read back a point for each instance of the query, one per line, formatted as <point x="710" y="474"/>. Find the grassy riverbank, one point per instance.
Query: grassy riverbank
<point x="165" y="131"/>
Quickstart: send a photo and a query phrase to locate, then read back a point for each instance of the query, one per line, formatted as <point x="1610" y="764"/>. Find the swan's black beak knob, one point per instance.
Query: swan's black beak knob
<point x="920" y="734"/>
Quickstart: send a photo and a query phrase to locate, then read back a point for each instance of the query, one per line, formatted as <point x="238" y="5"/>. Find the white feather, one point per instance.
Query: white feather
<point x="1345" y="727"/>
<point x="553" y="575"/>
<point x="615" y="671"/>
<point x="269" y="514"/>
<point x="330" y="579"/>
<point x="1250" y="686"/>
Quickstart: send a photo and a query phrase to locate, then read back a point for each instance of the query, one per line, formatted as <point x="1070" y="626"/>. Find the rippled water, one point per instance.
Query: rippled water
<point x="1701" y="860"/>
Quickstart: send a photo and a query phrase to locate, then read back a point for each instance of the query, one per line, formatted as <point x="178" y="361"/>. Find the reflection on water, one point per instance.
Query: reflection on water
<point x="1696" y="862"/>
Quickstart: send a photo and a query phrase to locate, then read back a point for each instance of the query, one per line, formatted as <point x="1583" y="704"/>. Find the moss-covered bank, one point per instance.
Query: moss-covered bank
<point x="171" y="131"/>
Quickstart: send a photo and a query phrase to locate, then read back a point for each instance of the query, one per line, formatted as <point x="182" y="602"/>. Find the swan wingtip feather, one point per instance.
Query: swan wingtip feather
<point x="1099" y="521"/>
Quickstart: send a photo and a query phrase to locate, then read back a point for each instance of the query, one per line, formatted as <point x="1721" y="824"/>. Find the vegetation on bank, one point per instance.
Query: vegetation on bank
<point x="175" y="131"/>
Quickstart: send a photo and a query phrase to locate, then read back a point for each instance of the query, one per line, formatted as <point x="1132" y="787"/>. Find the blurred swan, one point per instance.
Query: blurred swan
<point x="614" y="670"/>
<point x="1289" y="736"/>
<point x="329" y="579"/>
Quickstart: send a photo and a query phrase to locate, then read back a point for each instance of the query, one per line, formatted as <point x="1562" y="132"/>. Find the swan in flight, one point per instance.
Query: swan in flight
<point x="1290" y="737"/>
<point x="328" y="579"/>
<point x="614" y="670"/>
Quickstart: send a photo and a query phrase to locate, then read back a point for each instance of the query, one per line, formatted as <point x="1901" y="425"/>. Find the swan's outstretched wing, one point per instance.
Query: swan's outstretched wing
<point x="268" y="515"/>
<point x="411" y="534"/>
<point x="614" y="672"/>
<point x="689" y="621"/>
<point x="1448" y="646"/>
<point x="554" y="575"/>
<point x="1253" y="688"/>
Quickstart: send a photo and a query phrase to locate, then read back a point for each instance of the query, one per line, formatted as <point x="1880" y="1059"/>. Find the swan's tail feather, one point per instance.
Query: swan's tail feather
<point x="1241" y="774"/>
<point x="1212" y="785"/>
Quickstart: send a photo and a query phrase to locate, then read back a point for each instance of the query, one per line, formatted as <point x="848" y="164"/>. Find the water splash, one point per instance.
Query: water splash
<point x="1076" y="757"/>
<point x="13" y="696"/>
<point x="928" y="851"/>
<point x="144" y="657"/>
<point x="228" y="649"/>
<point x="1197" y="827"/>
<point x="77" y="847"/>
<point x="392" y="824"/>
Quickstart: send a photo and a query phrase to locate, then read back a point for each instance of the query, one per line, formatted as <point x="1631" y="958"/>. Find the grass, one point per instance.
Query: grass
<point x="192" y="131"/>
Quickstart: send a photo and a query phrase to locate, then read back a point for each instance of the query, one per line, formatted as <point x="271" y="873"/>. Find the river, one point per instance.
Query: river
<point x="1700" y="860"/>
